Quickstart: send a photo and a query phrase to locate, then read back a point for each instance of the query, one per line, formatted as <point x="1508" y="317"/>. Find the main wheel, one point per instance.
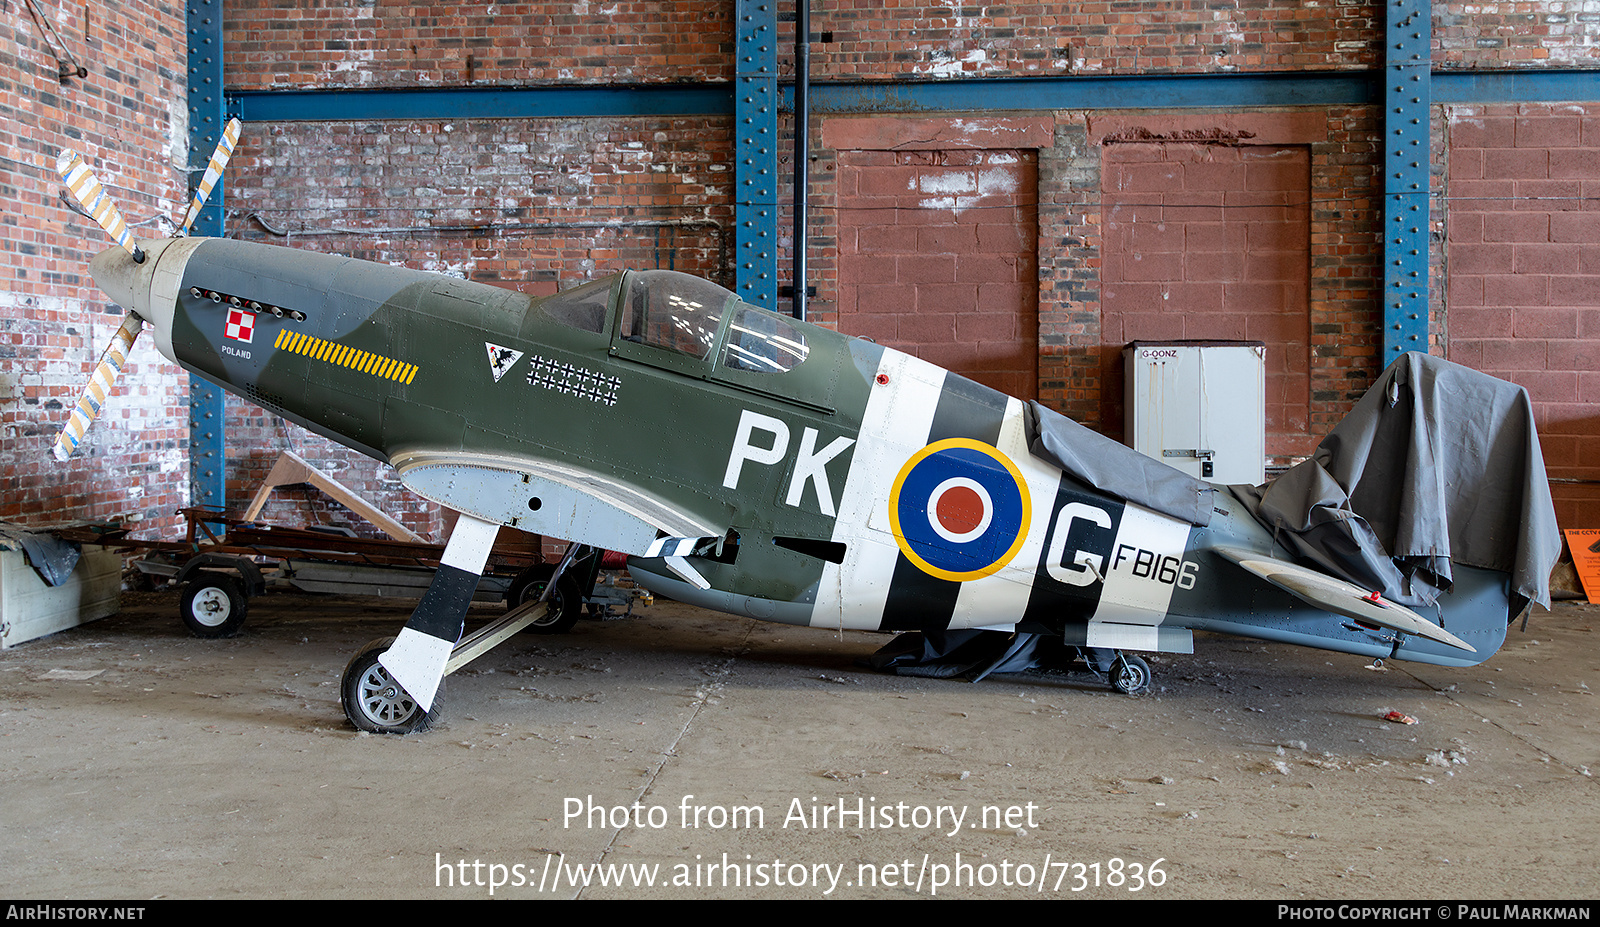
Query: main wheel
<point x="213" y="604"/>
<point x="374" y="702"/>
<point x="1130" y="675"/>
<point x="566" y="602"/>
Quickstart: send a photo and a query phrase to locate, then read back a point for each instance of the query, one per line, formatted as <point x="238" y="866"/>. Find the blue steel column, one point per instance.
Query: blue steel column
<point x="206" y="118"/>
<point x="755" y="113"/>
<point x="1406" y="99"/>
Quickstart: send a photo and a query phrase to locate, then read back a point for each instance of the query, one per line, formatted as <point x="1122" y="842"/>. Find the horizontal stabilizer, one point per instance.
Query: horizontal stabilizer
<point x="1340" y="597"/>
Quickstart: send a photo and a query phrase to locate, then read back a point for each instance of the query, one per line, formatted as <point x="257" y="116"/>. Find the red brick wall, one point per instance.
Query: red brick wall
<point x="55" y="322"/>
<point x="1512" y="33"/>
<point x="1209" y="241"/>
<point x="936" y="258"/>
<point x="330" y="43"/>
<point x="1145" y="36"/>
<point x="1341" y="245"/>
<point x="1523" y="259"/>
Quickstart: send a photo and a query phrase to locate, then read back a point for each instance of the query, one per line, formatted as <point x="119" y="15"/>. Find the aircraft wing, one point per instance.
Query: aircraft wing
<point x="559" y="501"/>
<point x="1340" y="597"/>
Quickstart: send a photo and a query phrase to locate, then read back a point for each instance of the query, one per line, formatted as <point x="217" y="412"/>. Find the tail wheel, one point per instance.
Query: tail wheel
<point x="373" y="701"/>
<point x="1130" y="675"/>
<point x="566" y="602"/>
<point x="213" y="604"/>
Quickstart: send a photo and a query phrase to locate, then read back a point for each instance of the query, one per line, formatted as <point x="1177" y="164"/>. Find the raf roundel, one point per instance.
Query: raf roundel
<point x="960" y="509"/>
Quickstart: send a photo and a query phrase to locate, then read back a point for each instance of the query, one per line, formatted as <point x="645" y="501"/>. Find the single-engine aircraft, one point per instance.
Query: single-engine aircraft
<point x="762" y="466"/>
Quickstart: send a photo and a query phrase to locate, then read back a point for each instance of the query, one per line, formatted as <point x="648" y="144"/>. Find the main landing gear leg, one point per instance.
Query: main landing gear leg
<point x="390" y="685"/>
<point x="1129" y="674"/>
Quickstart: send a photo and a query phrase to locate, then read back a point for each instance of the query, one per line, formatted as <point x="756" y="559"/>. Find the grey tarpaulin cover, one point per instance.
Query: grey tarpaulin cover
<point x="1436" y="463"/>
<point x="51" y="557"/>
<point x="1115" y="468"/>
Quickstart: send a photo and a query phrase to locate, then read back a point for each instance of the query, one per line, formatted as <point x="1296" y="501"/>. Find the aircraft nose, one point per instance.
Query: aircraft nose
<point x="116" y="273"/>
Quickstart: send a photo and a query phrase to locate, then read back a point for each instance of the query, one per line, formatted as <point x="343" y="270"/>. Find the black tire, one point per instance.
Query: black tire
<point x="213" y="604"/>
<point x="566" y="602"/>
<point x="374" y="702"/>
<point x="1130" y="675"/>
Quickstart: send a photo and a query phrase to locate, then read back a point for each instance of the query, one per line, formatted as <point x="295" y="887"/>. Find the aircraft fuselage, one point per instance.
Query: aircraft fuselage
<point x="852" y="485"/>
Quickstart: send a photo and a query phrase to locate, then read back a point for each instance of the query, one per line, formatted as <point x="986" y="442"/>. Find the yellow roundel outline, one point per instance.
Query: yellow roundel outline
<point x="982" y="448"/>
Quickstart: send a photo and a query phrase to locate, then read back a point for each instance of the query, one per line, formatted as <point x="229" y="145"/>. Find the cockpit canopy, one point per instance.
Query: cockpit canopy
<point x="685" y="314"/>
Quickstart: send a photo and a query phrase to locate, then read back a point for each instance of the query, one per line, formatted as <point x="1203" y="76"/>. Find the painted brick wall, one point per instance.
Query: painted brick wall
<point x="1333" y="227"/>
<point x="1523" y="258"/>
<point x="1210" y="242"/>
<point x="936" y="254"/>
<point x="1508" y="33"/>
<point x="126" y="119"/>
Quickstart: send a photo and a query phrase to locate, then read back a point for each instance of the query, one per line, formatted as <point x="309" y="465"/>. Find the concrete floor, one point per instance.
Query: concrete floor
<point x="186" y="768"/>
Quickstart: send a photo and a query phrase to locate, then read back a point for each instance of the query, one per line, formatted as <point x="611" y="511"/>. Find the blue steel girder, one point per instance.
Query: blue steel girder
<point x="1407" y="74"/>
<point x="207" y="470"/>
<point x="755" y="119"/>
<point x="979" y="94"/>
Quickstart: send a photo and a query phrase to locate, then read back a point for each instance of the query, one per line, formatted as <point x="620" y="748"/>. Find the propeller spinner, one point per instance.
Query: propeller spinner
<point x="89" y="193"/>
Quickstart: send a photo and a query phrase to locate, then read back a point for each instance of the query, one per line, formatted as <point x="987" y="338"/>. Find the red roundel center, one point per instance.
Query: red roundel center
<point x="960" y="509"/>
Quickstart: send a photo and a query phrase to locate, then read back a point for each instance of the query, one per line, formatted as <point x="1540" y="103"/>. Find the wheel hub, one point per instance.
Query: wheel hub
<point x="382" y="700"/>
<point x="211" y="606"/>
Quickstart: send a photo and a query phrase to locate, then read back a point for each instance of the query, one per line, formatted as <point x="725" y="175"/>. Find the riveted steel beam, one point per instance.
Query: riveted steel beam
<point x="207" y="115"/>
<point x="755" y="121"/>
<point x="1407" y="73"/>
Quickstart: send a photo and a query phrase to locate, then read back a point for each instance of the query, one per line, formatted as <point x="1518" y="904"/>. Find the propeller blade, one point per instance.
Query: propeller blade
<point x="98" y="388"/>
<point x="86" y="189"/>
<point x="219" y="160"/>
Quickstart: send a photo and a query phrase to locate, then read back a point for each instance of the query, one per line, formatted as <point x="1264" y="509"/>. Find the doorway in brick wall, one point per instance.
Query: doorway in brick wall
<point x="1210" y="241"/>
<point x="938" y="257"/>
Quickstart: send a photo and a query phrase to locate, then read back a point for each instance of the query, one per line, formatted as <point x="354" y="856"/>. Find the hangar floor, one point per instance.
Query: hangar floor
<point x="185" y="768"/>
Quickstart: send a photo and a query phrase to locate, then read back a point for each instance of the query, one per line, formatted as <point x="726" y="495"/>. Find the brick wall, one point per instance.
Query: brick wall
<point x="867" y="41"/>
<point x="1509" y="33"/>
<point x="1523" y="262"/>
<point x="937" y="237"/>
<point x="331" y="43"/>
<point x="663" y="185"/>
<point x="125" y="118"/>
<point x="1209" y="242"/>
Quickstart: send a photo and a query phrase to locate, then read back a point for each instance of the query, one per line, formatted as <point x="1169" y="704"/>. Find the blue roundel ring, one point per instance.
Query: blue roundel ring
<point x="959" y="509"/>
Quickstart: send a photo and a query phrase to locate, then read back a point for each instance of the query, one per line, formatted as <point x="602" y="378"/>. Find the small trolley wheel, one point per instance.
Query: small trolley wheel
<point x="1130" y="675"/>
<point x="213" y="604"/>
<point x="566" y="602"/>
<point x="373" y="701"/>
